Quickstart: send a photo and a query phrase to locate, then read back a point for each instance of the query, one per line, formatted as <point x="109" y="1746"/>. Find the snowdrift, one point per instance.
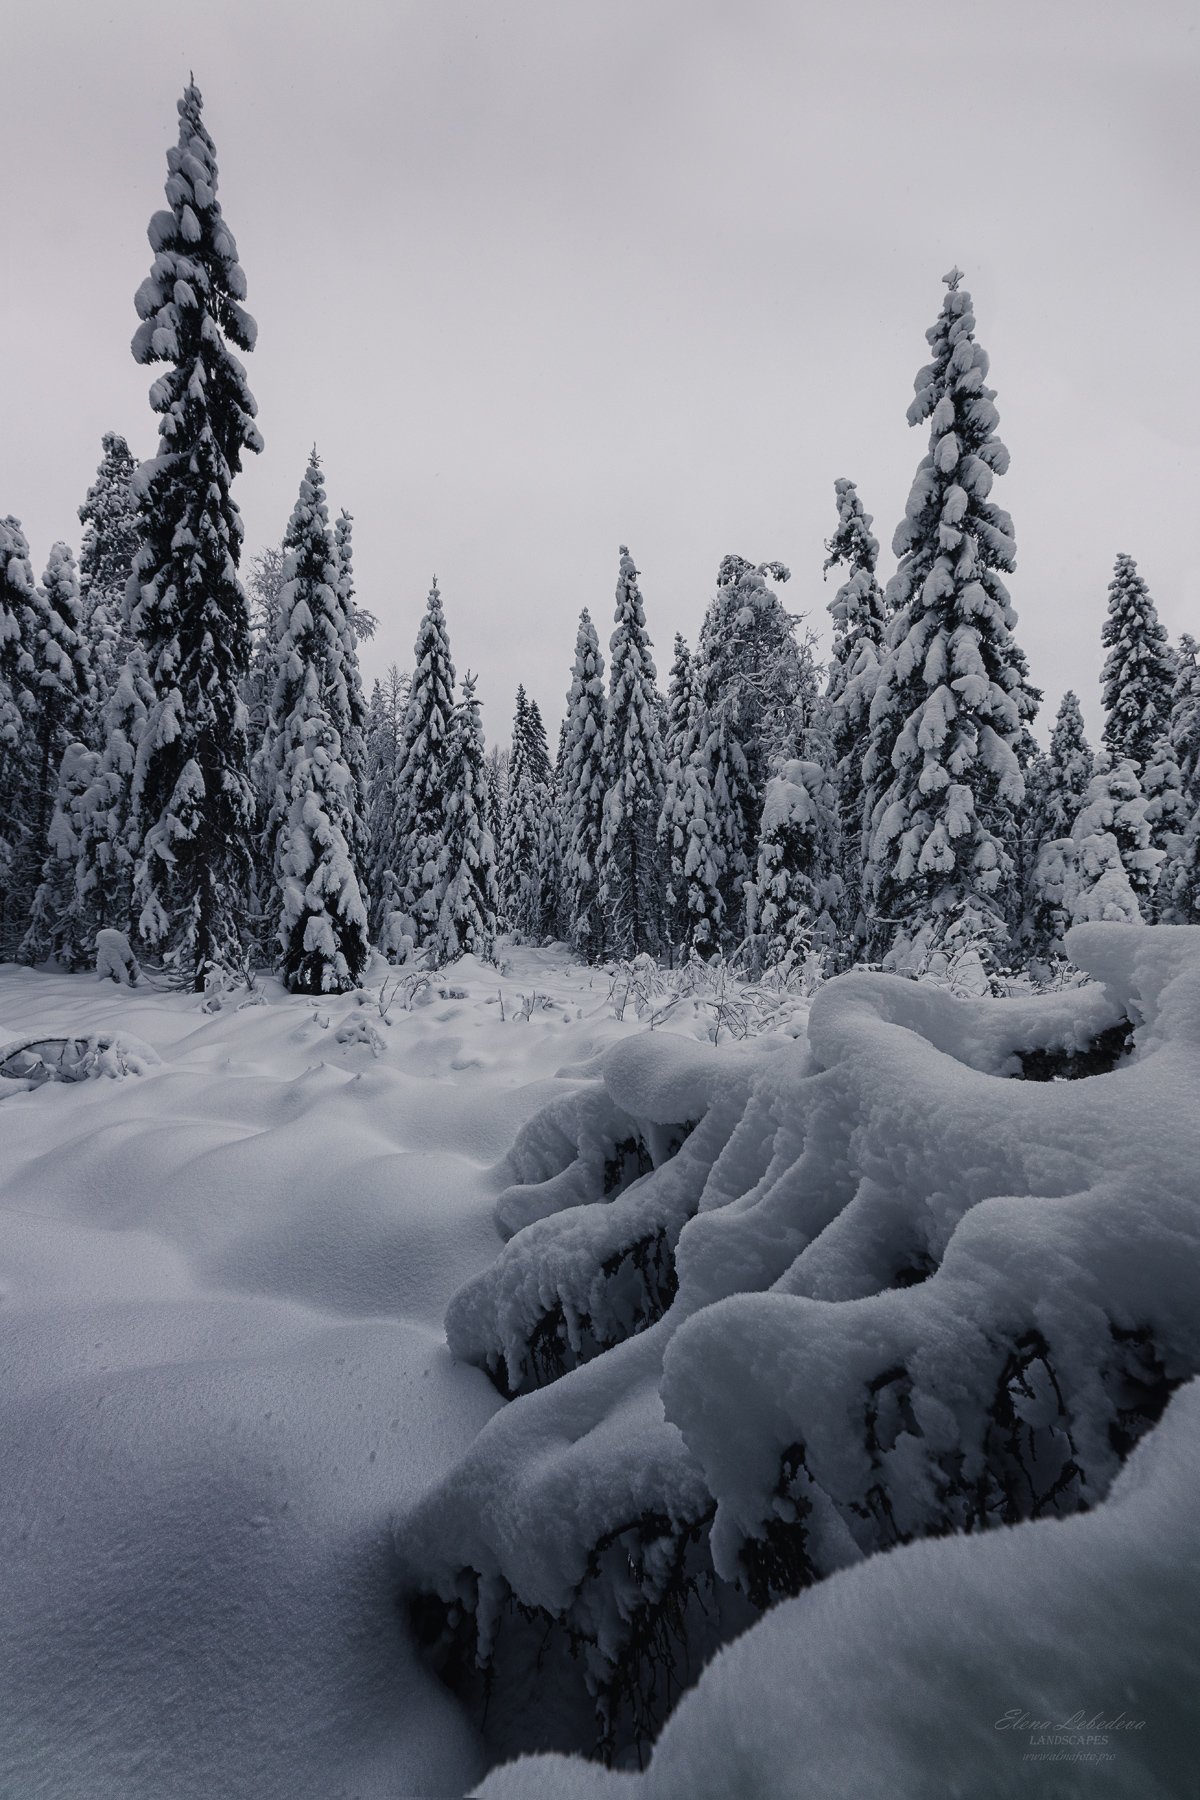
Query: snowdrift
<point x="935" y="1273"/>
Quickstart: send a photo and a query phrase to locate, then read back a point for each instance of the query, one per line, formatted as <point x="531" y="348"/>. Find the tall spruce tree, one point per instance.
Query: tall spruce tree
<point x="859" y="618"/>
<point x="423" y="791"/>
<point x="17" y="706"/>
<point x="109" y="516"/>
<point x="312" y="824"/>
<point x="630" y="880"/>
<point x="528" y="903"/>
<point x="467" y="921"/>
<point x="351" y="719"/>
<point x="192" y="792"/>
<point x="1139" y="671"/>
<point x="949" y="710"/>
<point x="60" y="679"/>
<point x="583" y="794"/>
<point x="385" y="730"/>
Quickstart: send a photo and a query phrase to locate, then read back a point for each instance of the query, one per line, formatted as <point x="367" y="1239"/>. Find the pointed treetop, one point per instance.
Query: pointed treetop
<point x="953" y="278"/>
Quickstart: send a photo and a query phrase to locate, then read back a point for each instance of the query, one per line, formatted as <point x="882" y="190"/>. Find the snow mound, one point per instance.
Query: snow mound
<point x="32" y="1061"/>
<point x="911" y="1280"/>
<point x="1051" y="1659"/>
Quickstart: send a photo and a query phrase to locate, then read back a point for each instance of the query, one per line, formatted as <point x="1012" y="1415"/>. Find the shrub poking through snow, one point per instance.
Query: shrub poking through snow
<point x="910" y="1295"/>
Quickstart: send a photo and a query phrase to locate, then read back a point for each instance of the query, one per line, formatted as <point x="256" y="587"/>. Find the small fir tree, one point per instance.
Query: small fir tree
<point x="109" y="516"/>
<point x="418" y="860"/>
<point x="792" y="901"/>
<point x="583" y="794"/>
<point x="385" y="731"/>
<point x="312" y="826"/>
<point x="60" y="680"/>
<point x="18" y="603"/>
<point x="1139" y="672"/>
<point x="191" y="786"/>
<point x="467" y="922"/>
<point x="630" y="885"/>
<point x="858" y="614"/>
<point x="1115" y="860"/>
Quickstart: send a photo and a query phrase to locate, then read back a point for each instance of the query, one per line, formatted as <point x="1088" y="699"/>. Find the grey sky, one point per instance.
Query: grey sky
<point x="546" y="277"/>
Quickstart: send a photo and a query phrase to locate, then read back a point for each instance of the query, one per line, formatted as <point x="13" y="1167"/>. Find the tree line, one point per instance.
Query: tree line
<point x="210" y="780"/>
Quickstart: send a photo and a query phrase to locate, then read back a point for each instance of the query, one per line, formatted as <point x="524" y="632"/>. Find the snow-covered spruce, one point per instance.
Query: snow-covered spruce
<point x="582" y="796"/>
<point x="109" y="516"/>
<point x="16" y="707"/>
<point x="422" y="781"/>
<point x="857" y="611"/>
<point x="821" y="1696"/>
<point x="1116" y="865"/>
<point x="311" y="824"/>
<point x="527" y="886"/>
<point x="950" y="711"/>
<point x="467" y="922"/>
<point x="385" y="736"/>
<point x="981" y="1295"/>
<point x="1139" y="671"/>
<point x="351" y="719"/>
<point x="1168" y="818"/>
<point x="60" y="684"/>
<point x="797" y="890"/>
<point x="630" y="884"/>
<point x="671" y="844"/>
<point x="191" y="787"/>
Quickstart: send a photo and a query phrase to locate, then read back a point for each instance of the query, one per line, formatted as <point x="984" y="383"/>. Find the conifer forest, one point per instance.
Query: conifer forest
<point x="648" y="1247"/>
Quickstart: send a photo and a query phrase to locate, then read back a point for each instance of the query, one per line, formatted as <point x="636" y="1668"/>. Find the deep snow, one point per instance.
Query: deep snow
<point x="222" y="1284"/>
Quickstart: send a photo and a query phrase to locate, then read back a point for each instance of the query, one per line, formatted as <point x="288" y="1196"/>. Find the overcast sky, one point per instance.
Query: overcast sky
<point x="547" y="277"/>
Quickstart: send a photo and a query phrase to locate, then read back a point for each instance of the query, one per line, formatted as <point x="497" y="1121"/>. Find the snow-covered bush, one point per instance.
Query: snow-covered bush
<point x="893" y="1283"/>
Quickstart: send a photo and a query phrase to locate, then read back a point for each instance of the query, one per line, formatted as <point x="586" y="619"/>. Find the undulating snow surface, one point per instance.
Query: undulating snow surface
<point x="776" y="1316"/>
<point x="222" y="1282"/>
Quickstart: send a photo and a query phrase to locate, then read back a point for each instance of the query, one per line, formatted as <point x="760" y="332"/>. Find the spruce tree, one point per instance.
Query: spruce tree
<point x="99" y="826"/>
<point x="467" y="921"/>
<point x="858" y="614"/>
<point x="312" y="825"/>
<point x="1139" y="672"/>
<point x="583" y="794"/>
<point x="109" y="516"/>
<point x="385" y="729"/>
<point x="423" y="778"/>
<point x="351" y="715"/>
<point x="528" y="905"/>
<point x="949" y="711"/>
<point x="1115" y="859"/>
<point x="60" y="679"/>
<point x="630" y="883"/>
<point x="192" y="792"/>
<point x="1069" y="770"/>
<point x="1184" y="730"/>
<point x="17" y="706"/>
<point x="1168" y="818"/>
<point x="792" y="901"/>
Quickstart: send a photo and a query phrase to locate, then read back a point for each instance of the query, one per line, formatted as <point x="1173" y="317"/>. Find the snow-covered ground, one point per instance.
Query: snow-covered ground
<point x="222" y="1285"/>
<point x="771" y="1309"/>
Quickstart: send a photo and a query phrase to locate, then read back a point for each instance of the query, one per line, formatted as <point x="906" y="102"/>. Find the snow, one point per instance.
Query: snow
<point x="1051" y="1659"/>
<point x="910" y="1296"/>
<point x="232" y="1430"/>
<point x="221" y="1296"/>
